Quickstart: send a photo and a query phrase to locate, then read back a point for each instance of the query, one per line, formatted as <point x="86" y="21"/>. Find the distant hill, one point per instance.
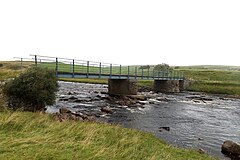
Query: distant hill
<point x="209" y="67"/>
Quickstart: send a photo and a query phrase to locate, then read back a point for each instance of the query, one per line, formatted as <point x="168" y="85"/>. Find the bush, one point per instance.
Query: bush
<point x="1" y="65"/>
<point x="31" y="90"/>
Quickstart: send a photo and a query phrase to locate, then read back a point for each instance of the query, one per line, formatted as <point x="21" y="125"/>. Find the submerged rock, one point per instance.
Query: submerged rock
<point x="164" y="128"/>
<point x="230" y="147"/>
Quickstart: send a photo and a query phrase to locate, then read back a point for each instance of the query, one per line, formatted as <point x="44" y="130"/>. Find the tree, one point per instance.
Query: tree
<point x="31" y="90"/>
<point x="144" y="67"/>
<point x="162" y="66"/>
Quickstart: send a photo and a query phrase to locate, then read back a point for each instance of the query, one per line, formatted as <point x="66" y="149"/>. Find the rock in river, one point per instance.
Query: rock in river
<point x="230" y="147"/>
<point x="106" y="110"/>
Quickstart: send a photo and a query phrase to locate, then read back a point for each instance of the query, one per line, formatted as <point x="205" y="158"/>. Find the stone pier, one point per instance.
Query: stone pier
<point x="166" y="86"/>
<point x="182" y="85"/>
<point x="122" y="87"/>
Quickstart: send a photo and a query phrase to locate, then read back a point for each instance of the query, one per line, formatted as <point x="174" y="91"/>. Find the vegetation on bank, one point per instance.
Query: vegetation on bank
<point x="217" y="81"/>
<point x="32" y="90"/>
<point x="26" y="135"/>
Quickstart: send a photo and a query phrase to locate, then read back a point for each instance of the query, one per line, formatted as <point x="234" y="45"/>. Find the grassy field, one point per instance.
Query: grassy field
<point x="25" y="135"/>
<point x="219" y="80"/>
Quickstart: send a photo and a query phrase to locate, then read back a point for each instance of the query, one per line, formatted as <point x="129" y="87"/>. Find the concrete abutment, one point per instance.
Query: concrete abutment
<point x="122" y="87"/>
<point x="166" y="86"/>
<point x="130" y="86"/>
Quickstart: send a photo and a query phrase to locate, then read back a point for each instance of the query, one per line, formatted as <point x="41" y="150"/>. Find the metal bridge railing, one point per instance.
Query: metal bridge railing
<point x="65" y="67"/>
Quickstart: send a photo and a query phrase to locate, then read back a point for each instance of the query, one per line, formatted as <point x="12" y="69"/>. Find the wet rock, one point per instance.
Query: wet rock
<point x="70" y="93"/>
<point x="72" y="98"/>
<point x="63" y="99"/>
<point x="163" y="99"/>
<point x="137" y="97"/>
<point x="230" y="148"/>
<point x="64" y="110"/>
<point x="102" y="92"/>
<point x="200" y="139"/>
<point x="106" y="110"/>
<point x="201" y="151"/>
<point x="143" y="102"/>
<point x="164" y="128"/>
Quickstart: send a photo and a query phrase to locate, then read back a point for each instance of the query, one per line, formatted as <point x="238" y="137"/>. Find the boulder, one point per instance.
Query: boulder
<point x="230" y="147"/>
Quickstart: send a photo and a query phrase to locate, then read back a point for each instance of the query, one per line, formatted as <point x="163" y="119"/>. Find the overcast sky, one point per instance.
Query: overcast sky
<point x="177" y="32"/>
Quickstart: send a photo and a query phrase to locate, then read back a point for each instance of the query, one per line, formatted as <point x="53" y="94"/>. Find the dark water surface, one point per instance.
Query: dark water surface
<point x="195" y="120"/>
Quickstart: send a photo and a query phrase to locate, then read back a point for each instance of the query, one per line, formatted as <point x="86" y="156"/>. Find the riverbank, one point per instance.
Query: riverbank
<point x="26" y="135"/>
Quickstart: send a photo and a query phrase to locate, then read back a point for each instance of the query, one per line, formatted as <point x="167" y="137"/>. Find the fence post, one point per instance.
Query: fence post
<point x="35" y="60"/>
<point x="73" y="70"/>
<point x="21" y="62"/>
<point x="87" y="69"/>
<point x="56" y="70"/>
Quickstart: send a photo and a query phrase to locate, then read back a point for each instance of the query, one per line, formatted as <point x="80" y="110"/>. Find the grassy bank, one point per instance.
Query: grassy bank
<point x="217" y="81"/>
<point x="25" y="135"/>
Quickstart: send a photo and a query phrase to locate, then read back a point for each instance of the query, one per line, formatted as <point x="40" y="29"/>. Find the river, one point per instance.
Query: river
<point x="189" y="120"/>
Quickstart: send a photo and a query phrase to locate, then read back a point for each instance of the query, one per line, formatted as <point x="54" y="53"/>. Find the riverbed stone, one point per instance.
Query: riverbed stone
<point x="107" y="110"/>
<point x="64" y="110"/>
<point x="230" y="147"/>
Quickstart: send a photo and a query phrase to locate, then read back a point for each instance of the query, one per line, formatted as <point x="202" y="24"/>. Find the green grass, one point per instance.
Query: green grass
<point x="220" y="81"/>
<point x="25" y="135"/>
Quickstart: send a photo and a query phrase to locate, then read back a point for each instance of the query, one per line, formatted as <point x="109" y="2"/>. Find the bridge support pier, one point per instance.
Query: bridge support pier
<point x="122" y="87"/>
<point x="182" y="85"/>
<point x="166" y="86"/>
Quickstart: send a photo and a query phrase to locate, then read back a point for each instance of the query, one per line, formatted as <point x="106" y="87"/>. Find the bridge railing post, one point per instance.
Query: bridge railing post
<point x="56" y="69"/>
<point x="87" y="69"/>
<point x="73" y="69"/>
<point x="128" y="72"/>
<point x="110" y="75"/>
<point x="100" y="70"/>
<point x="142" y="74"/>
<point x="136" y="69"/>
<point x="148" y="74"/>
<point x="120" y="71"/>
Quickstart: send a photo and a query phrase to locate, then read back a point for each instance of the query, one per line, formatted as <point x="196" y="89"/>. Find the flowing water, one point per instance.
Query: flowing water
<point x="189" y="120"/>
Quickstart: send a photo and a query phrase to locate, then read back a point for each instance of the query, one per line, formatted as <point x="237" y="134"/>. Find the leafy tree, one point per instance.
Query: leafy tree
<point x="162" y="66"/>
<point x="144" y="67"/>
<point x="31" y="90"/>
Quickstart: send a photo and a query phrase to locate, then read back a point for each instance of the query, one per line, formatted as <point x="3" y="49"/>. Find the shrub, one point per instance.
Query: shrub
<point x="1" y="65"/>
<point x="31" y="90"/>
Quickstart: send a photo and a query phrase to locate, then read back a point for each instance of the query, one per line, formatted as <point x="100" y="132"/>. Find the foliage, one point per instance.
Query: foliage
<point x="25" y="135"/>
<point x="162" y="66"/>
<point x="144" y="67"/>
<point x="31" y="90"/>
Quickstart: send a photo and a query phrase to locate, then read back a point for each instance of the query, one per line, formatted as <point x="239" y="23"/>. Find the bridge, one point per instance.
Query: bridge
<point x="122" y="80"/>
